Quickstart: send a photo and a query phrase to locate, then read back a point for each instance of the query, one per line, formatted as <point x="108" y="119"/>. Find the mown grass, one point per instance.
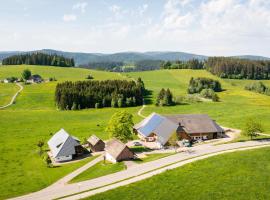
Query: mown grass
<point x="235" y="106"/>
<point x="34" y="117"/>
<point x="239" y="175"/>
<point x="98" y="170"/>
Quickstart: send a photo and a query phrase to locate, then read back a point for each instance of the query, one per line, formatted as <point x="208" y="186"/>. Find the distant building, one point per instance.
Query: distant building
<point x="6" y="81"/>
<point x="35" y="79"/>
<point x="96" y="144"/>
<point x="64" y="147"/>
<point x="155" y="128"/>
<point x="116" y="151"/>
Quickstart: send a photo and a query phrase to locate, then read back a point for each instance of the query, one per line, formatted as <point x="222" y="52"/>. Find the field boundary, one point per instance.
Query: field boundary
<point x="14" y="97"/>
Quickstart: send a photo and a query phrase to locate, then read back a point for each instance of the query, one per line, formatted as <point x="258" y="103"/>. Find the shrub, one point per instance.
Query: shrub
<point x="198" y="84"/>
<point x="209" y="94"/>
<point x="97" y="105"/>
<point x="257" y="87"/>
<point x="90" y="77"/>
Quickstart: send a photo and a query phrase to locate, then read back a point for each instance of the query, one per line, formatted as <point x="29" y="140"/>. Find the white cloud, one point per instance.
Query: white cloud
<point x="80" y="6"/>
<point x="143" y="9"/>
<point x="115" y="9"/>
<point x="214" y="26"/>
<point x="69" y="17"/>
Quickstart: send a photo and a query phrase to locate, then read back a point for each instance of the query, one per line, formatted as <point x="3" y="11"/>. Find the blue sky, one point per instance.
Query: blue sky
<point x="209" y="27"/>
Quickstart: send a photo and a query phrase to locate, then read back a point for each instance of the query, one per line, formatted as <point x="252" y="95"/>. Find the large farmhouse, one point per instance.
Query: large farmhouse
<point x="196" y="126"/>
<point x="155" y="128"/>
<point x="116" y="151"/>
<point x="64" y="146"/>
<point x="158" y="129"/>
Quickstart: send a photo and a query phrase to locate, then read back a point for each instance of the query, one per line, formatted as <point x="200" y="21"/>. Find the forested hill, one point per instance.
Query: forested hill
<point x="38" y="58"/>
<point x="124" y="57"/>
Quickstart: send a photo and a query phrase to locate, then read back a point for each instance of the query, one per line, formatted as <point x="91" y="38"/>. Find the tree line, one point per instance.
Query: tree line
<point x="38" y="58"/>
<point x="236" y="68"/>
<point x="97" y="94"/>
<point x="190" y="64"/>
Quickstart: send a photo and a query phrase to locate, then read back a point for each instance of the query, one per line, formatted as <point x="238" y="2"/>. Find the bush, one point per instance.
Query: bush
<point x="198" y="84"/>
<point x="258" y="87"/>
<point x="97" y="105"/>
<point x="90" y="77"/>
<point x="47" y="160"/>
<point x="209" y="94"/>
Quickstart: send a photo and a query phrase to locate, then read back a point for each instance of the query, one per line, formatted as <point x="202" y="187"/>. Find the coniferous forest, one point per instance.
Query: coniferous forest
<point x="97" y="94"/>
<point x="235" y="68"/>
<point x="39" y="59"/>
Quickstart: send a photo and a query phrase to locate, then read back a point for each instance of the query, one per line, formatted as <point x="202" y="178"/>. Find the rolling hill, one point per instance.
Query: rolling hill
<point x="125" y="57"/>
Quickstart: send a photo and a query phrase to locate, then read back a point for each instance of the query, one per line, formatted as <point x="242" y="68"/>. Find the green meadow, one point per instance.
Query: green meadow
<point x="238" y="175"/>
<point x="34" y="117"/>
<point x="7" y="90"/>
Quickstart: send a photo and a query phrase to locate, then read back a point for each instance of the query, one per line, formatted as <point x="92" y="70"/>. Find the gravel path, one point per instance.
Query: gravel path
<point x="14" y="97"/>
<point x="140" y="111"/>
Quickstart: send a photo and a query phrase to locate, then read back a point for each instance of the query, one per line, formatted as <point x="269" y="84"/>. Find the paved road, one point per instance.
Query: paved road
<point x="14" y="97"/>
<point x="61" y="190"/>
<point x="150" y="174"/>
<point x="66" y="179"/>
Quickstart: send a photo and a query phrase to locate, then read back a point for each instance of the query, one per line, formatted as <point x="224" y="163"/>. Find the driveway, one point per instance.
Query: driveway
<point x="60" y="190"/>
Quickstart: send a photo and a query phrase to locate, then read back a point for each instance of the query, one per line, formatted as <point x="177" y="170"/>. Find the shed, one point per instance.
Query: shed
<point x="96" y="144"/>
<point x="116" y="151"/>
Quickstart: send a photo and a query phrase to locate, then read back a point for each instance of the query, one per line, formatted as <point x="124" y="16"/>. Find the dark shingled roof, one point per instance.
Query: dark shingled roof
<point x="196" y="123"/>
<point x="93" y="140"/>
<point x="115" y="147"/>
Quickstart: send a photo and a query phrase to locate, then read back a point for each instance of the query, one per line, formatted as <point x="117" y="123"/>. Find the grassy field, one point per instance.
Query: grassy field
<point x="99" y="169"/>
<point x="34" y="117"/>
<point x="7" y="90"/>
<point x="239" y="175"/>
<point x="235" y="106"/>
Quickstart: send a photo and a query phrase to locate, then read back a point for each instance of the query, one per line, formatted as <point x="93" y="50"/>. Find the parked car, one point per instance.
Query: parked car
<point x="137" y="143"/>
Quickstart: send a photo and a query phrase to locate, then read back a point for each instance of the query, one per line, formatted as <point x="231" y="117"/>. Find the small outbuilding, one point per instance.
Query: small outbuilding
<point x="95" y="144"/>
<point x="116" y="151"/>
<point x="64" y="146"/>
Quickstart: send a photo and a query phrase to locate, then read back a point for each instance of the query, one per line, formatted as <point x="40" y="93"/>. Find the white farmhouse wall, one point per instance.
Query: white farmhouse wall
<point x="63" y="158"/>
<point x="110" y="158"/>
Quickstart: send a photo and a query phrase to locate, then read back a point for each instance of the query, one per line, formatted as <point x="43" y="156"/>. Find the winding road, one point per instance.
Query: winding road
<point x="139" y="172"/>
<point x="14" y="97"/>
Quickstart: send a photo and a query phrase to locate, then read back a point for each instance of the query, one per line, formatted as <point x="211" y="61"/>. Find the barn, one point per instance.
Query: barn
<point x="95" y="144"/>
<point x="116" y="151"/>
